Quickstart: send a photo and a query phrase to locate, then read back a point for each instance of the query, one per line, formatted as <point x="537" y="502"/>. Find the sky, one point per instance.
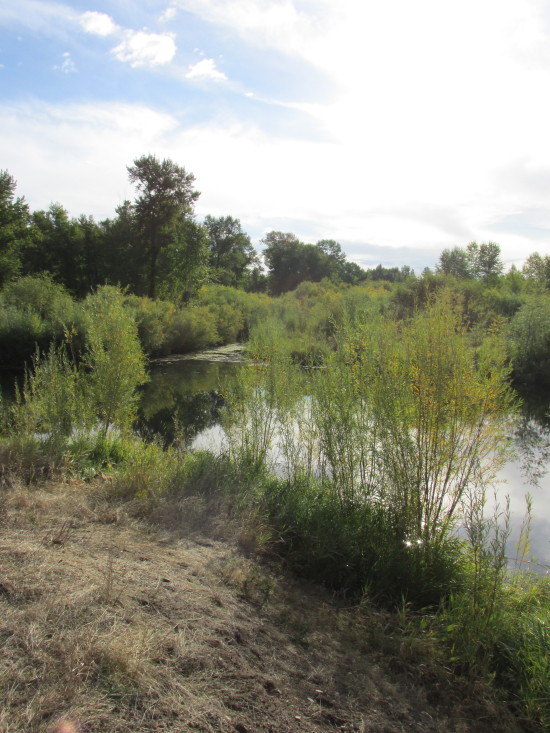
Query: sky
<point x="397" y="128"/>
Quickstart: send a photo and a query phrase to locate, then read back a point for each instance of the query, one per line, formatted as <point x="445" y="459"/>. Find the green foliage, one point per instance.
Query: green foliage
<point x="193" y="328"/>
<point x="41" y="295"/>
<point x="34" y="312"/>
<point x="537" y="270"/>
<point x="53" y="401"/>
<point x="60" y="399"/>
<point x="146" y="471"/>
<point x="165" y="199"/>
<point x="402" y="423"/>
<point x="154" y="320"/>
<point x="529" y="342"/>
<point x="231" y="251"/>
<point x="14" y="228"/>
<point x="248" y="308"/>
<point x="291" y="262"/>
<point x="306" y="319"/>
<point x="478" y="261"/>
<point x="182" y="267"/>
<point x="504" y="636"/>
<point x="114" y="359"/>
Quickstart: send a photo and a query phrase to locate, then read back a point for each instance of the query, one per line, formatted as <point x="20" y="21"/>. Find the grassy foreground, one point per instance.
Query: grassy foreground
<point x="127" y="615"/>
<point x="381" y="454"/>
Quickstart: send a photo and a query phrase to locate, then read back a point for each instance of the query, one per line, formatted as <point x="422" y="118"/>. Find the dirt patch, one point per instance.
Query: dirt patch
<point x="110" y="624"/>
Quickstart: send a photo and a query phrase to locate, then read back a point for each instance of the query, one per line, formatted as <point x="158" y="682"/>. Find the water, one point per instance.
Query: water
<point x="185" y="396"/>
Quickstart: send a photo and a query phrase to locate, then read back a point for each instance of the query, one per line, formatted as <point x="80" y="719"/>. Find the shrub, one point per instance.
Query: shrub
<point x="34" y="312"/>
<point x="193" y="328"/>
<point x="154" y="320"/>
<point x="529" y="343"/>
<point x="113" y="358"/>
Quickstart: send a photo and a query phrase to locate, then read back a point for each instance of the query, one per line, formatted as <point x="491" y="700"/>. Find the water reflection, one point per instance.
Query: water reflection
<point x="185" y="398"/>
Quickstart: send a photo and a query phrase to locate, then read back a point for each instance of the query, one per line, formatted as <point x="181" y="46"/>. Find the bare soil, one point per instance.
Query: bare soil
<point x="112" y="622"/>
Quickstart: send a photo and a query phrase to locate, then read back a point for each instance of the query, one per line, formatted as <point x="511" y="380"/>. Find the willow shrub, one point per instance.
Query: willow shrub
<point x="529" y="343"/>
<point x="114" y="361"/>
<point x="403" y="422"/>
<point x="61" y="399"/>
<point x="154" y="320"/>
<point x="34" y="312"/>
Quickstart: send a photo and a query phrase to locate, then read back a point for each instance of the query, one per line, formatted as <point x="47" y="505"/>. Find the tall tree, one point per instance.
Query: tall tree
<point x="14" y="228"/>
<point x="478" y="261"/>
<point x="537" y="269"/>
<point x="166" y="195"/>
<point x="454" y="262"/>
<point x="282" y="257"/>
<point x="58" y="248"/>
<point x="231" y="251"/>
<point x="183" y="265"/>
<point x="126" y="262"/>
<point x="484" y="261"/>
<point x="290" y="261"/>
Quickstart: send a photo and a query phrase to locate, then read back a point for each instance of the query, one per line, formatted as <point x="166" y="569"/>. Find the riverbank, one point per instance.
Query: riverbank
<point x="125" y="616"/>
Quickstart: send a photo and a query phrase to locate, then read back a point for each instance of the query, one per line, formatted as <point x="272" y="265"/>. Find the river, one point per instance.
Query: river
<point x="183" y="399"/>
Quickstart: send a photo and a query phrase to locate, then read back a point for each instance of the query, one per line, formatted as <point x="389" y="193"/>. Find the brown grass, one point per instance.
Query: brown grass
<point x="109" y="622"/>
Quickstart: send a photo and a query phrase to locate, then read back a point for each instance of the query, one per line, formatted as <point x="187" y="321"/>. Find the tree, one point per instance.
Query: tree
<point x="126" y="261"/>
<point x="454" y="262"/>
<point x="14" y="228"/>
<point x="484" y="261"/>
<point x="353" y="273"/>
<point x="537" y="269"/>
<point x="183" y="265"/>
<point x="231" y="251"/>
<point x="282" y="257"/>
<point x="114" y="361"/>
<point x="166" y="196"/>
<point x="58" y="248"/>
<point x="290" y="261"/>
<point x="390" y="274"/>
<point x="478" y="261"/>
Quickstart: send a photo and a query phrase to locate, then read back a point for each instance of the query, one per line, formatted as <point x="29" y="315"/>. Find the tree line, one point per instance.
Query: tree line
<point x="155" y="247"/>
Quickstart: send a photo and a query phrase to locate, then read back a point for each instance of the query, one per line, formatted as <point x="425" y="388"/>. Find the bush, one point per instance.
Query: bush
<point x="34" y="312"/>
<point x="529" y="343"/>
<point x="113" y="358"/>
<point x="192" y="329"/>
<point x="154" y="320"/>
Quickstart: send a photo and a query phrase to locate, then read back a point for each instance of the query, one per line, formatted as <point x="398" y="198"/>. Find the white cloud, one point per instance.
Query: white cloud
<point x="438" y="133"/>
<point x="40" y="15"/>
<point x="141" y="48"/>
<point x="277" y="23"/>
<point x="168" y="14"/>
<point x="205" y="69"/>
<point x="99" y="24"/>
<point x="67" y="65"/>
<point x="77" y="154"/>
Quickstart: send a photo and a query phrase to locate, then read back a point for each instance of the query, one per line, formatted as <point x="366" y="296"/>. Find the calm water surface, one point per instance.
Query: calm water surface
<point x="184" y="398"/>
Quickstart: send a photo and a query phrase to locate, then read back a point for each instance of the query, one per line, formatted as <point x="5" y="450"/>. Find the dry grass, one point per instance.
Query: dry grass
<point x="112" y="623"/>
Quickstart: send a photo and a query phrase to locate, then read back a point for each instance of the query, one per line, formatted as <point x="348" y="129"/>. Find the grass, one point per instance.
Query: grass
<point x="111" y="621"/>
<point x="394" y="436"/>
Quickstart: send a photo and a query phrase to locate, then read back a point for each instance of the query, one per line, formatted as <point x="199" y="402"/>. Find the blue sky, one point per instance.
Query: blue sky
<point x="396" y="128"/>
